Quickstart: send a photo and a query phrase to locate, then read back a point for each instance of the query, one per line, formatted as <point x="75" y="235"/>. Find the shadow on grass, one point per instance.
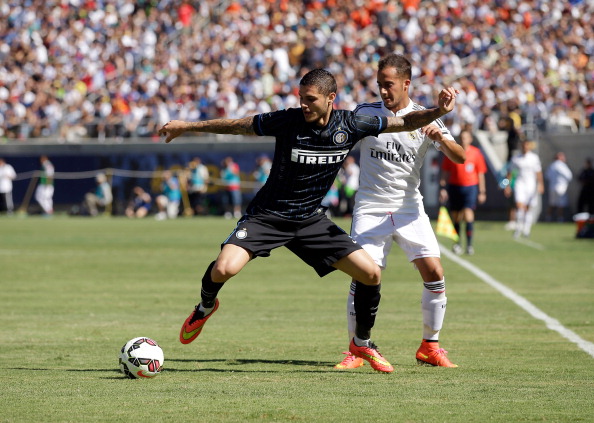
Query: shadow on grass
<point x="236" y="362"/>
<point x="233" y="363"/>
<point x="240" y="361"/>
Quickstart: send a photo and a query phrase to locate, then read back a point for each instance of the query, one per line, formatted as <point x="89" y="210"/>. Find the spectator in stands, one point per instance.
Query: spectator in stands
<point x="7" y="175"/>
<point x="131" y="68"/>
<point x="101" y="197"/>
<point x="170" y="197"/>
<point x="44" y="194"/>
<point x="140" y="203"/>
<point x="558" y="176"/>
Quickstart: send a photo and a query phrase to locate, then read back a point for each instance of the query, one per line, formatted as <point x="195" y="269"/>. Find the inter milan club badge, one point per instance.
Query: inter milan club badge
<point x="241" y="234"/>
<point x="340" y="137"/>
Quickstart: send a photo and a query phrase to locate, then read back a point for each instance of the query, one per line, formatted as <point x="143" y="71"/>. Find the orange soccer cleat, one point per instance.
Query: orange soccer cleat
<point x="429" y="353"/>
<point x="194" y="324"/>
<point x="349" y="362"/>
<point x="371" y="355"/>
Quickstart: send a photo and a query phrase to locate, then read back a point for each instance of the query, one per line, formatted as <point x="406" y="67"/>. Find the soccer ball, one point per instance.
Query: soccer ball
<point x="141" y="358"/>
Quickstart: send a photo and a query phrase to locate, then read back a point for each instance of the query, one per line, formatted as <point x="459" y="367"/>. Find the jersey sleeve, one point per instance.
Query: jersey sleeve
<point x="273" y="123"/>
<point x="370" y="125"/>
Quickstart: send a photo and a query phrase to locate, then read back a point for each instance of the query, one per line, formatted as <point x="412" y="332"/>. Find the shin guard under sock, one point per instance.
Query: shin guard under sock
<point x="367" y="298"/>
<point x="210" y="289"/>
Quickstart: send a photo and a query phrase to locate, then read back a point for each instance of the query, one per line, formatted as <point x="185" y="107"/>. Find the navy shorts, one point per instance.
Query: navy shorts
<point x="317" y="241"/>
<point x="462" y="197"/>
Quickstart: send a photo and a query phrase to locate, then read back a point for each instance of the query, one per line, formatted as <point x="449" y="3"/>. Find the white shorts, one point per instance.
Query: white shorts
<point x="412" y="232"/>
<point x="526" y="195"/>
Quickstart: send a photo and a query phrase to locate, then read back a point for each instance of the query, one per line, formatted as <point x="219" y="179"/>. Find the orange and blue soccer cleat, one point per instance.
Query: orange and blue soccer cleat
<point x="429" y="353"/>
<point x="349" y="362"/>
<point x="371" y="355"/>
<point x="194" y="324"/>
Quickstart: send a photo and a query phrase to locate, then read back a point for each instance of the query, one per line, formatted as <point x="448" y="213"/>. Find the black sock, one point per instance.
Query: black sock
<point x="469" y="230"/>
<point x="210" y="289"/>
<point x="457" y="227"/>
<point x="367" y="298"/>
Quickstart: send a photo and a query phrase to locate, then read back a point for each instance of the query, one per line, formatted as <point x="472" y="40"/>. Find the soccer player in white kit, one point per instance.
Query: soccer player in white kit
<point x="44" y="193"/>
<point x="528" y="186"/>
<point x="389" y="206"/>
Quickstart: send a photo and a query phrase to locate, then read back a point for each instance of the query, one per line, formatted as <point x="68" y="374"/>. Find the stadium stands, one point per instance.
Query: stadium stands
<point x="72" y="70"/>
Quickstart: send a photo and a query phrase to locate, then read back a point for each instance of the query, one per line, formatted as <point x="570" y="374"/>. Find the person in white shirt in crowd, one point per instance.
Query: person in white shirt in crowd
<point x="528" y="187"/>
<point x="7" y="175"/>
<point x="558" y="176"/>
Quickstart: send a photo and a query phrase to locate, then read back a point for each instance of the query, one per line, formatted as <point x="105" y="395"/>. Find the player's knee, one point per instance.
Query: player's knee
<point x="435" y="273"/>
<point x="224" y="270"/>
<point x="373" y="276"/>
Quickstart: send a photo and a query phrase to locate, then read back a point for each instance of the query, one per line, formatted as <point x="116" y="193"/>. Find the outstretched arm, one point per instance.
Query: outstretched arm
<point x="419" y="118"/>
<point x="450" y="148"/>
<point x="175" y="128"/>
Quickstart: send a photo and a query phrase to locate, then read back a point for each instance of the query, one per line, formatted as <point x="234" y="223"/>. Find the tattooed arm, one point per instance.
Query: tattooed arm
<point x="419" y="118"/>
<point x="175" y="128"/>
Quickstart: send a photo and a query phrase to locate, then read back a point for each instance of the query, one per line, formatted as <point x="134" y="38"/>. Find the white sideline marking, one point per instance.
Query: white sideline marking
<point x="529" y="243"/>
<point x="534" y="311"/>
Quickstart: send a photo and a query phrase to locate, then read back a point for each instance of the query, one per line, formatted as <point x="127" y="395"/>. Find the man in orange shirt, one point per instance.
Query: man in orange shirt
<point x="465" y="184"/>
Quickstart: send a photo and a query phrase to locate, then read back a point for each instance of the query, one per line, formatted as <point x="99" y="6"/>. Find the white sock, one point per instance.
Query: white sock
<point x="350" y="310"/>
<point x="361" y="342"/>
<point x="433" y="306"/>
<point x="206" y="311"/>
<point x="527" y="222"/>
<point x="520" y="219"/>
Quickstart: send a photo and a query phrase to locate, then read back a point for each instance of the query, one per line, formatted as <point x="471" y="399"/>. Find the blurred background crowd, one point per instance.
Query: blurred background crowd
<point x="78" y="69"/>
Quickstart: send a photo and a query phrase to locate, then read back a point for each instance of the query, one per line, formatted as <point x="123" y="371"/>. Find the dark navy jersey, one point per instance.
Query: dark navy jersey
<point x="306" y="158"/>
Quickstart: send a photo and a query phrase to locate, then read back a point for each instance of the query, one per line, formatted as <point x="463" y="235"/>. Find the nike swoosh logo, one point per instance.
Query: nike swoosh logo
<point x="299" y="138"/>
<point x="376" y="359"/>
<point x="423" y="355"/>
<point x="188" y="335"/>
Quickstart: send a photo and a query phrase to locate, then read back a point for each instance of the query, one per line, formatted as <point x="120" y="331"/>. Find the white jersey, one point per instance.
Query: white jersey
<point x="391" y="165"/>
<point x="527" y="166"/>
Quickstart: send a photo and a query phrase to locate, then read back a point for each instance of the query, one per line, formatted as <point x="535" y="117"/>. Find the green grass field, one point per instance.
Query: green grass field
<point x="75" y="290"/>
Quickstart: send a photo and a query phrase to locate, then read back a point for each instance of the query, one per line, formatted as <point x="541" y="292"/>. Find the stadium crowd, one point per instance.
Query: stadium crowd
<point x="74" y="69"/>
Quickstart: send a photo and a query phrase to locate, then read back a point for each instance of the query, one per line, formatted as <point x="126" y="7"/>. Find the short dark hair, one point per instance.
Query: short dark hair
<point x="397" y="61"/>
<point x="321" y="79"/>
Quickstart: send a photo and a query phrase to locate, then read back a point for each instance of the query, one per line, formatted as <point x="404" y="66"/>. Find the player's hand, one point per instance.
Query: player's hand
<point x="172" y="129"/>
<point x="447" y="99"/>
<point x="433" y="132"/>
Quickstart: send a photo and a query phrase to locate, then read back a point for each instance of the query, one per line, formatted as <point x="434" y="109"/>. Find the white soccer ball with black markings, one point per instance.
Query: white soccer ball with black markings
<point x="141" y="357"/>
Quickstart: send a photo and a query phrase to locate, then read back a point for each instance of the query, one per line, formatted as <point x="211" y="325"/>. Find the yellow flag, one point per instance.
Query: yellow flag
<point x="445" y="227"/>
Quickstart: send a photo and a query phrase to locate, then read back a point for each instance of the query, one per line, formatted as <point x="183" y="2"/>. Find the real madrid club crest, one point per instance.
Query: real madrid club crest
<point x="241" y="234"/>
<point x="340" y="137"/>
<point x="412" y="135"/>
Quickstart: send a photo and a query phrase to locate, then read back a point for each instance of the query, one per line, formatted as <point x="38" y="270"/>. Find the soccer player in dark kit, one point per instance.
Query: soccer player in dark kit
<point x="311" y="144"/>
